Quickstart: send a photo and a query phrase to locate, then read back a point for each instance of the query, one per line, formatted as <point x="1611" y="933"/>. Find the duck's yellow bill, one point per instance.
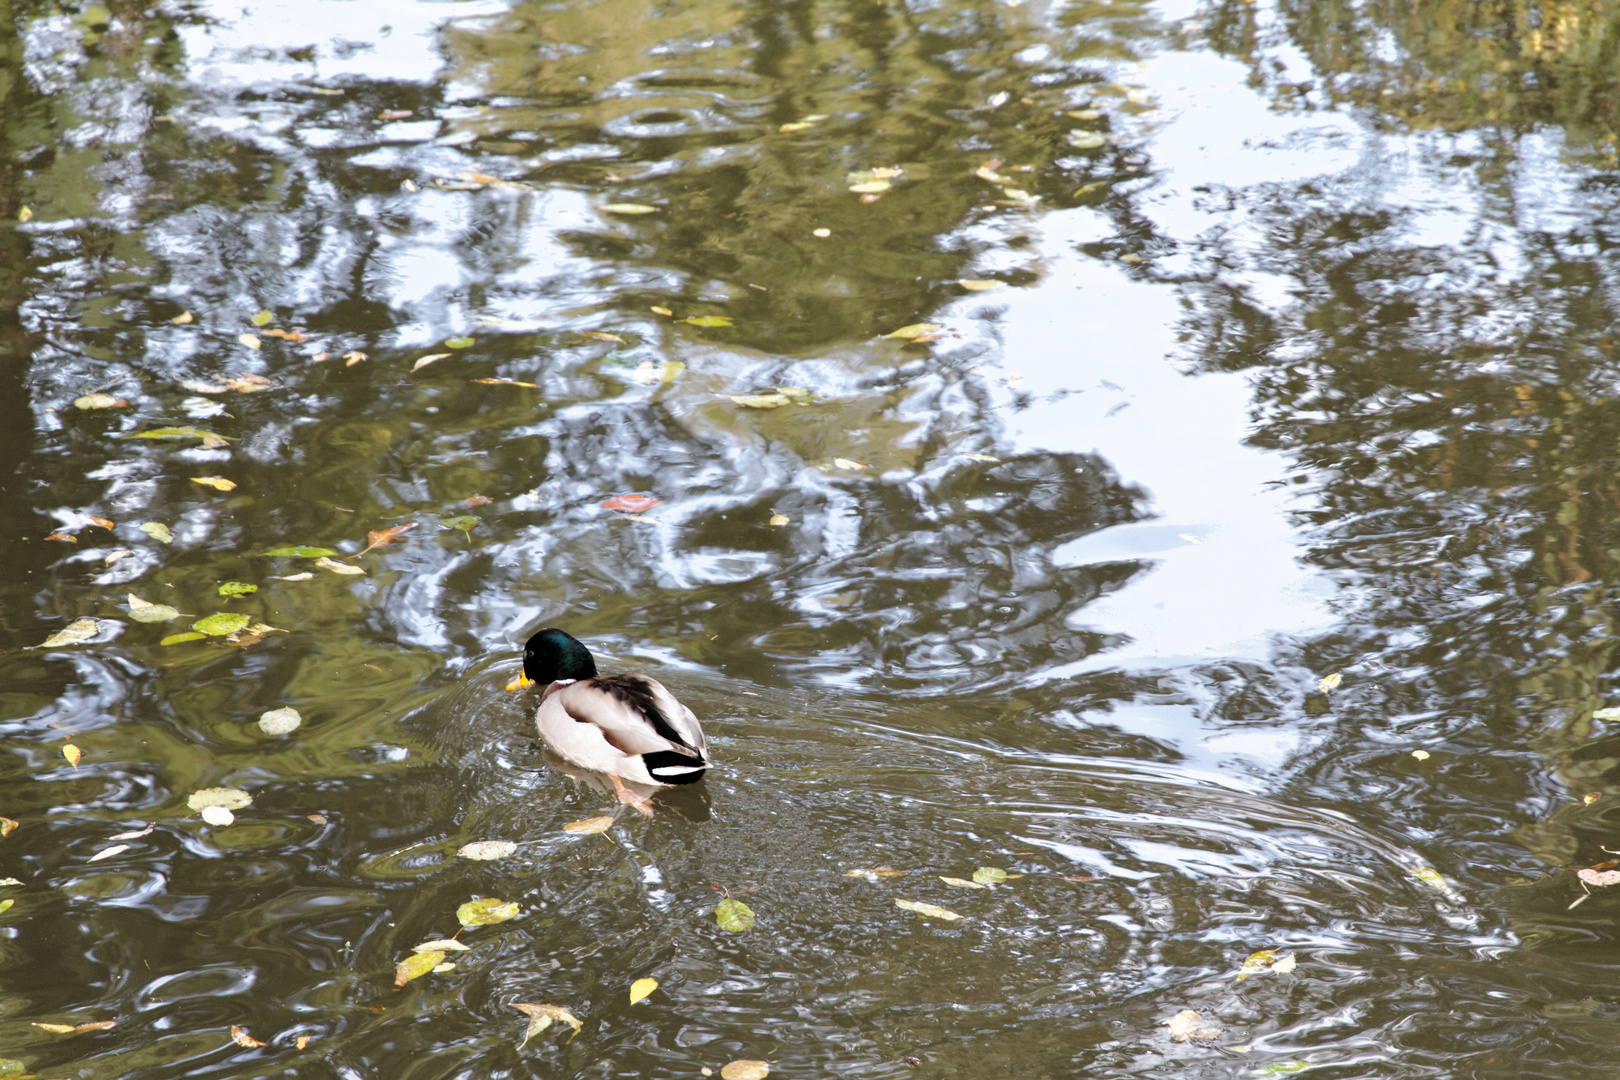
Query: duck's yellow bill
<point x="522" y="682"/>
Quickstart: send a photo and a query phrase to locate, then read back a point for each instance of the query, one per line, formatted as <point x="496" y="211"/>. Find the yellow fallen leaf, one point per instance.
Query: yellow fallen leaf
<point x="417" y="965"/>
<point x="182" y="319"/>
<point x="780" y="519"/>
<point x="218" y="483"/>
<point x="249" y="340"/>
<point x="352" y="358"/>
<point x="240" y="1036"/>
<point x="927" y="909"/>
<point x="99" y="401"/>
<point x="589" y="825"/>
<point x="641" y="988"/>
<point x="745" y="1069"/>
<point x="72" y="753"/>
<point x="1330" y="682"/>
<point x="983" y="285"/>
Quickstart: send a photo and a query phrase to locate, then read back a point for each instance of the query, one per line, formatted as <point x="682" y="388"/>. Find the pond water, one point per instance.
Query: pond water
<point x="1224" y="549"/>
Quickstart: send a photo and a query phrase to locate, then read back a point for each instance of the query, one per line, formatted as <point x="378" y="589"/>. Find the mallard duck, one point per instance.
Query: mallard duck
<point x="625" y="726"/>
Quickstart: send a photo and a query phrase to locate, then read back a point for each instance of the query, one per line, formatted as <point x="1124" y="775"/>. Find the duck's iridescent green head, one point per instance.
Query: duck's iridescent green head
<point x="554" y="654"/>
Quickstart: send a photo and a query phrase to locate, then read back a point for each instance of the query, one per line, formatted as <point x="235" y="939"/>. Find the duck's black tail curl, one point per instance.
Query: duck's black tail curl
<point x="668" y="767"/>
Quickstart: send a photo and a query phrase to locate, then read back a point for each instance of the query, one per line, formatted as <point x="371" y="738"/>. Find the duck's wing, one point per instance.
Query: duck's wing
<point x="636" y="715"/>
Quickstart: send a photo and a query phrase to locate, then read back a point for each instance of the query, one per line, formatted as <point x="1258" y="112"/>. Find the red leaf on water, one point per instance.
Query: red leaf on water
<point x="630" y="504"/>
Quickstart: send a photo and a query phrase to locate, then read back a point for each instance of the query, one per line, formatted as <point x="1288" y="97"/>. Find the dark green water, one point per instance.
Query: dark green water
<point x="1288" y="350"/>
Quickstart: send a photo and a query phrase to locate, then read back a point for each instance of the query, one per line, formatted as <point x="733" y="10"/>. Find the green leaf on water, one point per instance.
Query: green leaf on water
<point x="734" y="915"/>
<point x="76" y="631"/>
<point x="145" y="611"/>
<point x="12" y="1067"/>
<point x="236" y="588"/>
<point x="176" y="639"/>
<point x="179" y="433"/>
<point x="460" y="342"/>
<point x="989" y="875"/>
<point x="302" y="551"/>
<point x="708" y="320"/>
<point x="923" y="331"/>
<point x="1281" y="1068"/>
<point x="157" y="531"/>
<point x="221" y="623"/>
<point x="486" y="911"/>
<point x="415" y="966"/>
<point x="761" y="401"/>
<point x="465" y="522"/>
<point x="263" y="318"/>
<point x="5" y="906"/>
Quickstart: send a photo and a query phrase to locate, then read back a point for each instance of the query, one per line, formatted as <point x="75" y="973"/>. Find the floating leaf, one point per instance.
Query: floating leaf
<point x="426" y="360"/>
<point x="629" y="208"/>
<point x="240" y="1036"/>
<point x="99" y="401"/>
<point x="507" y="382"/>
<point x="217" y="815"/>
<point x="377" y="538"/>
<point x="465" y="522"/>
<point x="107" y="853"/>
<point x="916" y="331"/>
<point x="72" y="753"/>
<point x="75" y="1029"/>
<point x="7" y="827"/>
<point x="233" y="589"/>
<point x="352" y="358"/>
<point x="208" y="438"/>
<point x="441" y="945"/>
<point x="630" y="504"/>
<point x="1185" y="1025"/>
<point x="734" y="915"/>
<point x="821" y="234"/>
<point x="760" y="401"/>
<point x="1421" y="755"/>
<point x="541" y="1016"/>
<point x="221" y="623"/>
<point x="1289" y="961"/>
<point x="589" y="825"/>
<point x="745" y="1069"/>
<point x="297" y="337"/>
<point x="66" y="537"/>
<point x="989" y="875"/>
<point x="927" y="909"/>
<point x="602" y="335"/>
<point x="74" y="632"/>
<point x="5" y="906"/>
<point x="641" y="988"/>
<point x="648" y="373"/>
<point x="134" y="835"/>
<point x="1330" y="682"/>
<point x="871" y="187"/>
<point x="846" y="463"/>
<point x="708" y="320"/>
<point x="280" y="721"/>
<point x="302" y="551"/>
<point x="262" y="318"/>
<point x="229" y="798"/>
<point x="144" y="612"/>
<point x="1281" y="1068"/>
<point x="460" y="342"/>
<point x="338" y="567"/>
<point x="114" y="556"/>
<point x="177" y="639"/>
<point x="305" y="576"/>
<point x="249" y="340"/>
<point x="1257" y="962"/>
<point x="984" y="285"/>
<point x="780" y="519"/>
<point x="486" y="911"/>
<point x="877" y="872"/>
<point x="416" y="965"/>
<point x="962" y="884"/>
<point x="157" y="531"/>
<point x="1086" y="140"/>
<point x="1607" y="714"/>
<point x="485" y="850"/>
<point x="218" y="483"/>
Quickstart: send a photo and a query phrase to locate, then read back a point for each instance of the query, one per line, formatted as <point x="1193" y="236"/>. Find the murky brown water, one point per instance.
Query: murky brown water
<point x="1276" y="342"/>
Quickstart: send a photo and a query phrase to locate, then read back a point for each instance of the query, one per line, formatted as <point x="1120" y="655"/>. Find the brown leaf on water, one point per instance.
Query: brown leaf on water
<point x="352" y="358"/>
<point x="430" y="358"/>
<point x="395" y="114"/>
<point x="74" y="1029"/>
<point x="67" y="537"/>
<point x="295" y="336"/>
<point x="182" y="319"/>
<point x="541" y="1016"/>
<point x="376" y="538"/>
<point x="320" y="358"/>
<point x="99" y="401"/>
<point x="303" y="1041"/>
<point x="7" y="827"/>
<point x="475" y="501"/>
<point x="589" y="825"/>
<point x="240" y="1037"/>
<point x="100" y="522"/>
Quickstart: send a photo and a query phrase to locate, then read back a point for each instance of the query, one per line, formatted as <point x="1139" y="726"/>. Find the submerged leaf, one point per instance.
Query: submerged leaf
<point x="734" y="915"/>
<point x="486" y="911"/>
<point x="302" y="551"/>
<point x="157" y="531"/>
<point x="1185" y="1025"/>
